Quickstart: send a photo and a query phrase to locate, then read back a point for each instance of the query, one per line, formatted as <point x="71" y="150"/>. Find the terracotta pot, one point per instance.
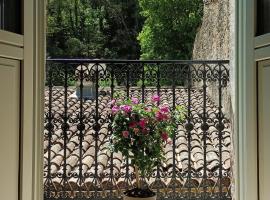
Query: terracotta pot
<point x="138" y="198"/>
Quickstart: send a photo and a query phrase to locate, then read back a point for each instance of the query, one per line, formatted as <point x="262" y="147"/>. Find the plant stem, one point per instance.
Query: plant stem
<point x="137" y="177"/>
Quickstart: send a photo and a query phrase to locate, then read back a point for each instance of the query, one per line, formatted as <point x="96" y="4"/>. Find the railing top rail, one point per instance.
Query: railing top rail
<point x="117" y="61"/>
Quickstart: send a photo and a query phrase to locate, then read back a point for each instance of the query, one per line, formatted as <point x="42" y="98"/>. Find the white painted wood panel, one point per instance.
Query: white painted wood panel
<point x="9" y="128"/>
<point x="11" y="38"/>
<point x="264" y="129"/>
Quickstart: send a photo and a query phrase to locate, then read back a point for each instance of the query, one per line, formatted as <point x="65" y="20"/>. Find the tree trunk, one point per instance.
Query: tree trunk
<point x="137" y="177"/>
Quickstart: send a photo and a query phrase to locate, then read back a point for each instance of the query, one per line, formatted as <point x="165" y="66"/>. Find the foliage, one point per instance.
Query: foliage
<point x="74" y="28"/>
<point x="94" y="29"/>
<point x="124" y="24"/>
<point x="170" y="28"/>
<point x="140" y="131"/>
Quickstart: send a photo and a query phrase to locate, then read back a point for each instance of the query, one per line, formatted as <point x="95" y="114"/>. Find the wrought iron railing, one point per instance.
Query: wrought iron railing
<point x="77" y="163"/>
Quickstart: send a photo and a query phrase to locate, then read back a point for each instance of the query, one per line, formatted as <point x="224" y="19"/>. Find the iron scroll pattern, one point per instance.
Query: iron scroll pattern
<point x="77" y="130"/>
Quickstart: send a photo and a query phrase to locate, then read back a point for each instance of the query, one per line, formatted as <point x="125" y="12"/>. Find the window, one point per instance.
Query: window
<point x="10" y="15"/>
<point x="263" y="17"/>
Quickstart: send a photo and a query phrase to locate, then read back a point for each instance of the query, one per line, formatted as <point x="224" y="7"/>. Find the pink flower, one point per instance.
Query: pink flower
<point x="161" y="116"/>
<point x="126" y="108"/>
<point x="158" y="116"/>
<point x="155" y="98"/>
<point x="135" y="100"/>
<point x="112" y="102"/>
<point x="164" y="109"/>
<point x="164" y="136"/>
<point x="125" y="134"/>
<point x="132" y="124"/>
<point x="142" y="123"/>
<point x="115" y="109"/>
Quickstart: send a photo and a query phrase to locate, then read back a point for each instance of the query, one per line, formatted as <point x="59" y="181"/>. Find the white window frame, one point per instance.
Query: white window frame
<point x="32" y="72"/>
<point x="246" y="139"/>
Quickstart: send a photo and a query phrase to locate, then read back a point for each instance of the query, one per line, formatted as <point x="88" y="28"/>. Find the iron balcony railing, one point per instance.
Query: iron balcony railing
<point x="77" y="162"/>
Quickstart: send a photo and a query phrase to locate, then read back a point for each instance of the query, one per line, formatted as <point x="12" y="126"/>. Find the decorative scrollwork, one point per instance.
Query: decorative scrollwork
<point x="78" y="163"/>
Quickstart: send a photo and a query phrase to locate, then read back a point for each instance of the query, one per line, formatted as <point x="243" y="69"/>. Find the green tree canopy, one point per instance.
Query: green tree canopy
<point x="93" y="28"/>
<point x="74" y="29"/>
<point x="124" y="24"/>
<point x="170" y="28"/>
<point x="127" y="29"/>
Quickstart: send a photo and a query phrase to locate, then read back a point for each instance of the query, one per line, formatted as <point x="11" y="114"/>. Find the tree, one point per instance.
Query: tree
<point x="74" y="29"/>
<point x="170" y="28"/>
<point x="124" y="24"/>
<point x="93" y="28"/>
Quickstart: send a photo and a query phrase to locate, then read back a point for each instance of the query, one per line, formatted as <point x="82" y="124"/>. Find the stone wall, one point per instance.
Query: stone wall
<point x="214" y="41"/>
<point x="213" y="38"/>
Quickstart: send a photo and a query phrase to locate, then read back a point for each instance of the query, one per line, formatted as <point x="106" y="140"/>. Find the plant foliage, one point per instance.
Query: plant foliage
<point x="141" y="130"/>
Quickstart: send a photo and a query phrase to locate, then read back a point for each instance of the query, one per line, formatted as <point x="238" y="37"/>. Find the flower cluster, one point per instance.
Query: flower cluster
<point x="141" y="130"/>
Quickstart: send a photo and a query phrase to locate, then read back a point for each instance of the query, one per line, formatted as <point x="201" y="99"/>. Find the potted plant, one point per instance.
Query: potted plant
<point x="140" y="132"/>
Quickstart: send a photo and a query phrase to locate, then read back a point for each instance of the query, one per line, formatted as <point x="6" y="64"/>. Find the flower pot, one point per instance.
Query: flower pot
<point x="139" y="194"/>
<point x="139" y="198"/>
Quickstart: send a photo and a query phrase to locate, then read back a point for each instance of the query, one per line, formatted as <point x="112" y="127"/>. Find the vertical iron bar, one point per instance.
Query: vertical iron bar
<point x="220" y="129"/>
<point x="128" y="81"/>
<point x="111" y="167"/>
<point x="158" y="80"/>
<point x="96" y="125"/>
<point x="143" y="82"/>
<point x="174" y="136"/>
<point x="158" y="93"/>
<point x="81" y="128"/>
<point x="174" y="86"/>
<point x="204" y="129"/>
<point x="128" y="87"/>
<point x="64" y="129"/>
<point x="50" y="130"/>
<point x="189" y="129"/>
